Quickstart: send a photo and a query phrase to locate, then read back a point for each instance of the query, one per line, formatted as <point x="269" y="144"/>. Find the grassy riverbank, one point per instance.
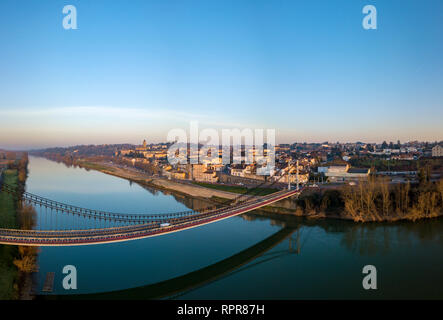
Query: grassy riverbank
<point x="8" y="219"/>
<point x="236" y="189"/>
<point x="17" y="264"/>
<point x="96" y="166"/>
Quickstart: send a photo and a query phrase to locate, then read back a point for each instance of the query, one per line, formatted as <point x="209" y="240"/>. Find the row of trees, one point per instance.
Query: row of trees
<point x="21" y="165"/>
<point x="26" y="261"/>
<point x="147" y="167"/>
<point x="85" y="150"/>
<point x="26" y="258"/>
<point x="380" y="164"/>
<point x="377" y="200"/>
<point x="71" y="160"/>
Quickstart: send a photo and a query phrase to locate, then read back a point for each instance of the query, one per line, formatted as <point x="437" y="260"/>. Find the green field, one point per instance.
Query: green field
<point x="237" y="189"/>
<point x="95" y="166"/>
<point x="8" y="272"/>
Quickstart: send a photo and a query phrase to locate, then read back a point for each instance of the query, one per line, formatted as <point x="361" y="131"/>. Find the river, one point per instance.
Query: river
<point x="281" y="257"/>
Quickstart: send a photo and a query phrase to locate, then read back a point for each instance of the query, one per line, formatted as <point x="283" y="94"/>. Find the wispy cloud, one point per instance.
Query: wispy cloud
<point x="30" y="127"/>
<point x="119" y="113"/>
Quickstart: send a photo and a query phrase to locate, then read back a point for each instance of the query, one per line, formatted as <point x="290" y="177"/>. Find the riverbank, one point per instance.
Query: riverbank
<point x="8" y="272"/>
<point x="17" y="264"/>
<point x="370" y="201"/>
<point x="195" y="190"/>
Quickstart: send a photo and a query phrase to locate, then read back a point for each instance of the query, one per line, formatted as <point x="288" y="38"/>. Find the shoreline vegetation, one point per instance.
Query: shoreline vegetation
<point x="236" y="189"/>
<point x="374" y="200"/>
<point x="17" y="264"/>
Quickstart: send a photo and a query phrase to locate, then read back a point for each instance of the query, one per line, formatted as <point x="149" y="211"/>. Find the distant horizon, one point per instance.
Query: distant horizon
<point x="163" y="142"/>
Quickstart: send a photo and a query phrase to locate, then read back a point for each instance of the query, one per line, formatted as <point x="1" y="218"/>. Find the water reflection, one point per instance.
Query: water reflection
<point x="189" y="281"/>
<point x="361" y="239"/>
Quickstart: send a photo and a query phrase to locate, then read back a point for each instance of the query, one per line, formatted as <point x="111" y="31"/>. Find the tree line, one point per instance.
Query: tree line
<point x="376" y="199"/>
<point x="26" y="256"/>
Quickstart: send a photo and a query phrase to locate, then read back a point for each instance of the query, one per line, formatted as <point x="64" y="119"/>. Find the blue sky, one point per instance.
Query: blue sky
<point x="136" y="69"/>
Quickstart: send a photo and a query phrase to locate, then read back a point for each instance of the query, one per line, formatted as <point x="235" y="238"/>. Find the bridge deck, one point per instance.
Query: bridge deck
<point x="139" y="231"/>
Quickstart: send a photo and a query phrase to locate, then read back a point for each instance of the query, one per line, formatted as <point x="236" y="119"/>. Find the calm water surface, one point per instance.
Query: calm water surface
<point x="282" y="257"/>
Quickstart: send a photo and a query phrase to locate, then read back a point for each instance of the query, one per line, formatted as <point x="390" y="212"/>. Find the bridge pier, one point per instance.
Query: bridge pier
<point x="294" y="244"/>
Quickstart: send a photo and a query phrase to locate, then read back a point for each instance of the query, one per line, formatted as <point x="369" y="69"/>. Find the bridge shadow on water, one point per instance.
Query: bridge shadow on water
<point x="177" y="286"/>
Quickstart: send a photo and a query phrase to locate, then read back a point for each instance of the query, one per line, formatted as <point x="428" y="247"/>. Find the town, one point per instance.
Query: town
<point x="318" y="163"/>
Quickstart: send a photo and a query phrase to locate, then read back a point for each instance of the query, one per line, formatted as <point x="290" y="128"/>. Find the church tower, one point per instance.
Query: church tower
<point x="144" y="144"/>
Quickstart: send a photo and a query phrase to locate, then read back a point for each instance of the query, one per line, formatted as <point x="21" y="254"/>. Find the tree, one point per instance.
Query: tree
<point x="440" y="189"/>
<point x="424" y="175"/>
<point x="385" y="194"/>
<point x="26" y="217"/>
<point x="11" y="156"/>
<point x="27" y="260"/>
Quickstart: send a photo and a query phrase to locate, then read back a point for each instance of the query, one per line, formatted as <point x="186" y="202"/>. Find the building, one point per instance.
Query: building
<point x="322" y="170"/>
<point x="161" y="155"/>
<point x="404" y="156"/>
<point x="178" y="175"/>
<point x="203" y="173"/>
<point x="437" y="151"/>
<point x="169" y="173"/>
<point x="237" y="172"/>
<point x="338" y="169"/>
<point x="143" y="147"/>
<point x="303" y="177"/>
<point x="341" y="173"/>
